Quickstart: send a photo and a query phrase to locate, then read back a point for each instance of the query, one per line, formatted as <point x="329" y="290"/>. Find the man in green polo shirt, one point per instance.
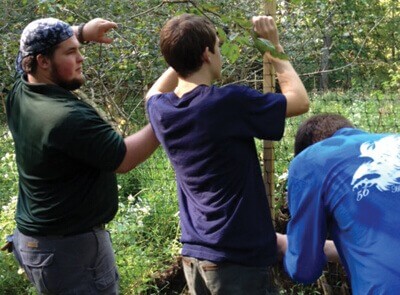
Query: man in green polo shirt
<point x="67" y="157"/>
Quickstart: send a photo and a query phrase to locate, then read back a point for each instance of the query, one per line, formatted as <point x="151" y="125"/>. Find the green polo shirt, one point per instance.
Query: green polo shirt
<point x="66" y="157"/>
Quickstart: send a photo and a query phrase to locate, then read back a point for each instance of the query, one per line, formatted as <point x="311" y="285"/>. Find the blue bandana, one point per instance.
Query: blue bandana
<point x="41" y="35"/>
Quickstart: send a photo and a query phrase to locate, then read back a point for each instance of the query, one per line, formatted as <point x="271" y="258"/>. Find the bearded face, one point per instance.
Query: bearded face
<point x="66" y="65"/>
<point x="68" y="84"/>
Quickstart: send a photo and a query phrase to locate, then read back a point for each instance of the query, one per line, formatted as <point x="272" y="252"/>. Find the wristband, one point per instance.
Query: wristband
<point x="80" y="34"/>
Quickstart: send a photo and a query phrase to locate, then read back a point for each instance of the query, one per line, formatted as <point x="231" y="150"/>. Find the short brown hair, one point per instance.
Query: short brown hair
<point x="317" y="128"/>
<point x="183" y="40"/>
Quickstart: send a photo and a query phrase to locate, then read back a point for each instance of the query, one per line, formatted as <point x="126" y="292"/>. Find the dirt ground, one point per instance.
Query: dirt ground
<point x="333" y="281"/>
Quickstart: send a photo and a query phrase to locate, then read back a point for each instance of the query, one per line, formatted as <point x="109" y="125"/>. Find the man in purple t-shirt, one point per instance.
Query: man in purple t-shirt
<point x="208" y="133"/>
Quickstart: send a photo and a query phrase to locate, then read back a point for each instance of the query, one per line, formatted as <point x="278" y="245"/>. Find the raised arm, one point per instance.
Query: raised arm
<point x="291" y="85"/>
<point x="165" y="83"/>
<point x="94" y="30"/>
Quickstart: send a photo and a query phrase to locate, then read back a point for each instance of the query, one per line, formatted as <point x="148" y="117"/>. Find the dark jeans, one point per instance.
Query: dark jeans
<point x="79" y="264"/>
<point x="205" y="277"/>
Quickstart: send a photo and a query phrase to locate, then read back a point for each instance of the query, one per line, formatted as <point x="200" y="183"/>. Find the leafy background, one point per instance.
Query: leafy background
<point x="346" y="52"/>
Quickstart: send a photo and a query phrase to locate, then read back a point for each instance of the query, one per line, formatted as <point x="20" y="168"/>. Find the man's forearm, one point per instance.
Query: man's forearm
<point x="94" y="30"/>
<point x="139" y="147"/>
<point x="329" y="248"/>
<point x="291" y="86"/>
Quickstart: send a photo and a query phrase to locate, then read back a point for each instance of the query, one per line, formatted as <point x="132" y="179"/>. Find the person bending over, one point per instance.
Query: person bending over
<point x="345" y="183"/>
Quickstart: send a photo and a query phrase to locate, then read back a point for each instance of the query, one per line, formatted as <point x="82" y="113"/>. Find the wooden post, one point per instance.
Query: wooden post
<point x="268" y="153"/>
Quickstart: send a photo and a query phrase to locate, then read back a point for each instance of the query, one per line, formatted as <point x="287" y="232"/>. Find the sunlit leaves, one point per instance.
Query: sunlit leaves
<point x="231" y="51"/>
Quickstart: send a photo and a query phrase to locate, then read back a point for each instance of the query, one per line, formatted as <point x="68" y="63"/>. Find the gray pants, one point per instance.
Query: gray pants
<point x="78" y="264"/>
<point x="205" y="277"/>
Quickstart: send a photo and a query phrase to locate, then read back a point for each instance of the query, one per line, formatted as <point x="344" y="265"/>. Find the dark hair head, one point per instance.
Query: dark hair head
<point x="183" y="40"/>
<point x="29" y="63"/>
<point x="317" y="128"/>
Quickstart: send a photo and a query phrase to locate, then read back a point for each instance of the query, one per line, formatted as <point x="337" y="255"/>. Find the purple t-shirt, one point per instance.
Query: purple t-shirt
<point x="208" y="135"/>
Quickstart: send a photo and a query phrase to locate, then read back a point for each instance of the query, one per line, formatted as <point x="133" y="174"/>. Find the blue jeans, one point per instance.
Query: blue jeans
<point x="77" y="264"/>
<point x="205" y="277"/>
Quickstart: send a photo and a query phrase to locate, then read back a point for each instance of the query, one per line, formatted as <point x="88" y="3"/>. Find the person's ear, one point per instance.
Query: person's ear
<point x="43" y="61"/>
<point x="206" y="55"/>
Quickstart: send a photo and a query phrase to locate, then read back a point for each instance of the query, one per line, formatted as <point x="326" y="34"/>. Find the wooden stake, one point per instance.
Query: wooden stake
<point x="268" y="153"/>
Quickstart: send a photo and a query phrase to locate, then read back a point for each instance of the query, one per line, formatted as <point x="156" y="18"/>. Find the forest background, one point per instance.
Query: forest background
<point x="345" y="51"/>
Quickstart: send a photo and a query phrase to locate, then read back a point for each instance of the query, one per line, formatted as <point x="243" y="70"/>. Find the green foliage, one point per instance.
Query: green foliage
<point x="363" y="61"/>
<point x="146" y="228"/>
<point x="8" y="169"/>
<point x="359" y="39"/>
<point x="393" y="84"/>
<point x="10" y="281"/>
<point x="364" y="43"/>
<point x="264" y="46"/>
<point x="129" y="185"/>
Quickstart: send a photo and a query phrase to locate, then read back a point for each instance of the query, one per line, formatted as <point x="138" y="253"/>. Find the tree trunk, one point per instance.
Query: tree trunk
<point x="324" y="79"/>
<point x="325" y="54"/>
